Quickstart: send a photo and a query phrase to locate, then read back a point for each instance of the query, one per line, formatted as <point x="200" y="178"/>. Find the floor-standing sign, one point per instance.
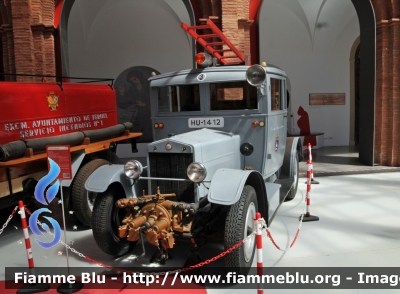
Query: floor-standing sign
<point x="61" y="155"/>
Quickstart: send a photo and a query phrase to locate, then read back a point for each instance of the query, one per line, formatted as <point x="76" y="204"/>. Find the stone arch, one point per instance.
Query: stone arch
<point x="354" y="125"/>
<point x="367" y="20"/>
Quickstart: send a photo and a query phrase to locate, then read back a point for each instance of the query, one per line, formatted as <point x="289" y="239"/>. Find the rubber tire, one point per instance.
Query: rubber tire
<point x="234" y="231"/>
<point x="293" y="191"/>
<point x="106" y="219"/>
<point x="79" y="198"/>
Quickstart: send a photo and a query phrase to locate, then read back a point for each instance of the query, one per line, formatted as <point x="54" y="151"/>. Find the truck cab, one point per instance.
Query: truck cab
<point x="220" y="99"/>
<point x="220" y="155"/>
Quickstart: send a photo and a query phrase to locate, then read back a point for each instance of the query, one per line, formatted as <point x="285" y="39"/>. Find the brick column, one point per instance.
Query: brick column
<point x="395" y="128"/>
<point x="8" y="51"/>
<point x="38" y="50"/>
<point x="387" y="106"/>
<point x="48" y="36"/>
<point x="236" y="24"/>
<point x="382" y="38"/>
<point x="7" y="39"/>
<point x="23" y="39"/>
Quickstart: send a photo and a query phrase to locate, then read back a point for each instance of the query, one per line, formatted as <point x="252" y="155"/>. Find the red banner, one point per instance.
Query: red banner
<point x="37" y="110"/>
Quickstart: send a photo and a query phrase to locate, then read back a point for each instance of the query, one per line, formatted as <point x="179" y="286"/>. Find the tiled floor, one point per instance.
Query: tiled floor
<point x="358" y="227"/>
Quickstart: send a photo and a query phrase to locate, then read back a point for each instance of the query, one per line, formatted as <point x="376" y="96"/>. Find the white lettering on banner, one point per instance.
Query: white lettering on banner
<point x="42" y="127"/>
<point x="36" y="132"/>
<point x="15" y="126"/>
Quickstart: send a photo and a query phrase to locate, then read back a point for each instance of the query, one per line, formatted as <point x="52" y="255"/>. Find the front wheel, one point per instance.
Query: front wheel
<point x="106" y="219"/>
<point x="239" y="224"/>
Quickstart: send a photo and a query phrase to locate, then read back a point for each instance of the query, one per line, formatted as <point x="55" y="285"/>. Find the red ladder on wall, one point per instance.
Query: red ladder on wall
<point x="235" y="58"/>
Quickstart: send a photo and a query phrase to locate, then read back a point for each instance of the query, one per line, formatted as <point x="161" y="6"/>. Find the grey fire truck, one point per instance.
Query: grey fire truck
<point x="221" y="154"/>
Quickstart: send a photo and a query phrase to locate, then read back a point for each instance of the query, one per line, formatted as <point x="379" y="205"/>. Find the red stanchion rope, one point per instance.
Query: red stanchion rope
<point x="8" y="220"/>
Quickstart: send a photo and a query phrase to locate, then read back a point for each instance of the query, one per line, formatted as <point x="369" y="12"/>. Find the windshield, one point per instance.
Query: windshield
<point x="233" y="96"/>
<point x="178" y="98"/>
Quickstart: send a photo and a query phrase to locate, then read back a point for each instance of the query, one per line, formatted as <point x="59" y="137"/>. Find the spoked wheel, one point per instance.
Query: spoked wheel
<point x="293" y="191"/>
<point x="239" y="224"/>
<point x="106" y="219"/>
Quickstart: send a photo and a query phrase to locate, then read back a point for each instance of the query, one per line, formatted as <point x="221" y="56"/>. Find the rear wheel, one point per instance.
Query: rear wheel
<point x="293" y="190"/>
<point x="106" y="219"/>
<point x="239" y="224"/>
<point x="83" y="200"/>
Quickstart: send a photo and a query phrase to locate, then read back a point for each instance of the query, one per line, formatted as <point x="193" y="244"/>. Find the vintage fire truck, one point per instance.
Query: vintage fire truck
<point x="220" y="155"/>
<point x="35" y="115"/>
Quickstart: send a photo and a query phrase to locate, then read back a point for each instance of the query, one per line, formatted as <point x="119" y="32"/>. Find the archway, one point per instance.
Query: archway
<point x="366" y="17"/>
<point x="133" y="100"/>
<point x="108" y="36"/>
<point x="297" y="27"/>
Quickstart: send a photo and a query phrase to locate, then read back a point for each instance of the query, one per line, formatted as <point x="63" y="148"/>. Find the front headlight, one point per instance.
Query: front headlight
<point x="133" y="169"/>
<point x="196" y="172"/>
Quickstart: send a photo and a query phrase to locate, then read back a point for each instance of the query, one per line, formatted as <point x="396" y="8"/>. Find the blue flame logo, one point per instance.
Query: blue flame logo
<point x="50" y="195"/>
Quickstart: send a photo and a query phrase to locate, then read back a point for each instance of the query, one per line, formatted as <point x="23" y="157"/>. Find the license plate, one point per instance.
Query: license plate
<point x="206" y="122"/>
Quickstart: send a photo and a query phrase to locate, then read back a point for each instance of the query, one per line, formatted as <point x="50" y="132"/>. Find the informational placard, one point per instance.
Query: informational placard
<point x="61" y="155"/>
<point x="328" y="99"/>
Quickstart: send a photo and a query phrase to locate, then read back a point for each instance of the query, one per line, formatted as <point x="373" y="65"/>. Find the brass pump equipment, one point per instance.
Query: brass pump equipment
<point x="156" y="217"/>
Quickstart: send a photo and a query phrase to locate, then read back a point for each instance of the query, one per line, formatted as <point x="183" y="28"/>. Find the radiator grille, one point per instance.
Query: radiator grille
<point x="172" y="165"/>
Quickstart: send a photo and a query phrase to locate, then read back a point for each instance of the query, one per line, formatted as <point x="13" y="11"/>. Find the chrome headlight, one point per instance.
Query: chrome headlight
<point x="133" y="169"/>
<point x="196" y="172"/>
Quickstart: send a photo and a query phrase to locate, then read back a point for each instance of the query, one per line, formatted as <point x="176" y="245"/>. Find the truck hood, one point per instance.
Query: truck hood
<point x="215" y="149"/>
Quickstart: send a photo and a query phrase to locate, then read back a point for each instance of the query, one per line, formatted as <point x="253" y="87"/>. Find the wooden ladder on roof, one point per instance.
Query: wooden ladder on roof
<point x="236" y="57"/>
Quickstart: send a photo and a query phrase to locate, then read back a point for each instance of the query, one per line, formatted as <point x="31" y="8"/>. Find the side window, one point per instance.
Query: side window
<point x="276" y="94"/>
<point x="233" y="96"/>
<point x="179" y="98"/>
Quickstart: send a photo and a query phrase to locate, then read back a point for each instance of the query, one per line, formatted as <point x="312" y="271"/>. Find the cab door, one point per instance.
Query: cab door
<point x="277" y="123"/>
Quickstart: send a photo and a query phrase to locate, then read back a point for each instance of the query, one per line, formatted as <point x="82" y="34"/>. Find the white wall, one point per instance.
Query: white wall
<point x="105" y="37"/>
<point x="311" y="41"/>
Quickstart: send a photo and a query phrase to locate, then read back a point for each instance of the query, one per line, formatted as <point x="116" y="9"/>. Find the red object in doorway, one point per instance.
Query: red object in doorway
<point x="304" y="124"/>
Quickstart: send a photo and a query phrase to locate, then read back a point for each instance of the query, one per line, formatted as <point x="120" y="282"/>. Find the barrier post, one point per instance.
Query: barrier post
<point x="308" y="217"/>
<point x="260" y="289"/>
<point x="34" y="287"/>
<point x="313" y="181"/>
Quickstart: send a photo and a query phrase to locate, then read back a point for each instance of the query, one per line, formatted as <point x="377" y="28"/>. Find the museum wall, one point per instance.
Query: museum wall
<point x="106" y="37"/>
<point x="312" y="43"/>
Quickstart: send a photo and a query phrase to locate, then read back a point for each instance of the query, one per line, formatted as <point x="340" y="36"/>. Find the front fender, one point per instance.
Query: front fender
<point x="105" y="175"/>
<point x="221" y="192"/>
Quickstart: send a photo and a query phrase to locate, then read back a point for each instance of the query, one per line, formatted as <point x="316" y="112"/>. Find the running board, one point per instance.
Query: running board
<point x="286" y="185"/>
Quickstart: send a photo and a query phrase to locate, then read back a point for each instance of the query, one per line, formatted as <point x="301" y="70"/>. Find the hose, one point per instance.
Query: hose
<point x="39" y="145"/>
<point x="12" y="150"/>
<point x="107" y="133"/>
<point x="17" y="149"/>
